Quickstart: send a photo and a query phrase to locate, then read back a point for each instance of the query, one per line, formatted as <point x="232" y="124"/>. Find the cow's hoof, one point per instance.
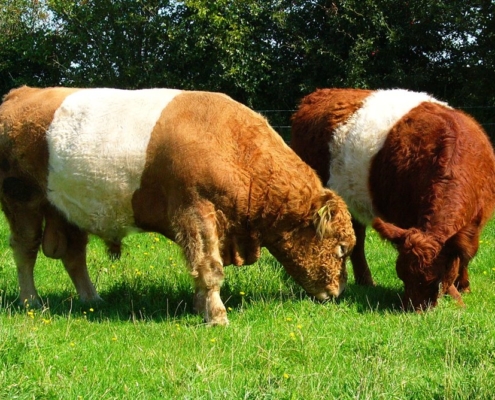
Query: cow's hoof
<point x="93" y="300"/>
<point x="365" y="281"/>
<point x="31" y="302"/>
<point x="218" y="322"/>
<point x="218" y="318"/>
<point x="454" y="293"/>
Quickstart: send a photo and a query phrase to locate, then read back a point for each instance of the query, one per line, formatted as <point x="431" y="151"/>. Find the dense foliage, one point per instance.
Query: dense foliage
<point x="267" y="54"/>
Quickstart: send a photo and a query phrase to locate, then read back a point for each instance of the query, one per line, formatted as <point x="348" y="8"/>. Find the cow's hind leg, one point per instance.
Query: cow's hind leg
<point x="198" y="236"/>
<point x="25" y="221"/>
<point x="25" y="242"/>
<point x="62" y="240"/>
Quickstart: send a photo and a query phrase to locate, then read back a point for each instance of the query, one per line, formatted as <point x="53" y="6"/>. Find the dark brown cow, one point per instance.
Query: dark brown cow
<point x="410" y="160"/>
<point x="197" y="167"/>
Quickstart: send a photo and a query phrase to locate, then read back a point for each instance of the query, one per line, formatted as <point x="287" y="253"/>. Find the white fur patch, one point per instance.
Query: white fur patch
<point x="97" y="145"/>
<point x="358" y="139"/>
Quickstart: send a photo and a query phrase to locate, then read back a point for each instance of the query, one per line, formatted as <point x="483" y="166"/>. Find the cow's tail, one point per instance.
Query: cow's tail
<point x="424" y="246"/>
<point x="114" y="249"/>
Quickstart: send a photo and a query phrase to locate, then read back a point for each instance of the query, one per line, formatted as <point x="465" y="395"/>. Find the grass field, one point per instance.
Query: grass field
<point x="144" y="342"/>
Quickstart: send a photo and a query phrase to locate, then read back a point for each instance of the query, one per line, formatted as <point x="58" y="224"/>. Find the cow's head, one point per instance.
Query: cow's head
<point x="419" y="264"/>
<point x="314" y="253"/>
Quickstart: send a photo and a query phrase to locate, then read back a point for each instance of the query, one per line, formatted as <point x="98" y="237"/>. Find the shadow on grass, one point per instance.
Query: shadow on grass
<point x="125" y="303"/>
<point x="159" y="303"/>
<point x="373" y="298"/>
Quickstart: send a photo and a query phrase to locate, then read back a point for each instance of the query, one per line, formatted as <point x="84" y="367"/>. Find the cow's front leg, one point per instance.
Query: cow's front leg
<point x="197" y="234"/>
<point x="462" y="281"/>
<point x="466" y="243"/>
<point x="362" y="273"/>
<point x="454" y="270"/>
<point x="207" y="299"/>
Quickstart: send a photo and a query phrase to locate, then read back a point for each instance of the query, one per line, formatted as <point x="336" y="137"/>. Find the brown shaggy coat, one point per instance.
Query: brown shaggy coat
<point x="423" y="172"/>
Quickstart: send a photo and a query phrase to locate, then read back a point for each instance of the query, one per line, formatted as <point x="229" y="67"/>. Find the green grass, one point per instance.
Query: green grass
<point x="145" y="342"/>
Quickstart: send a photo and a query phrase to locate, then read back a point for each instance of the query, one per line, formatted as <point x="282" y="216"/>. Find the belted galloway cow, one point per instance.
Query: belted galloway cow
<point x="420" y="171"/>
<point x="196" y="167"/>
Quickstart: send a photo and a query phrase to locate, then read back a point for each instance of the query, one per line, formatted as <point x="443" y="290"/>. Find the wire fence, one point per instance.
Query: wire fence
<point x="280" y="119"/>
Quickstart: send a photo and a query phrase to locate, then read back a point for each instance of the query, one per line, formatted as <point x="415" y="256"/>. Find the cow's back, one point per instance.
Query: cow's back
<point x="340" y="131"/>
<point x="436" y="168"/>
<point x="314" y="121"/>
<point x="97" y="146"/>
<point x="105" y="162"/>
<point x="205" y="145"/>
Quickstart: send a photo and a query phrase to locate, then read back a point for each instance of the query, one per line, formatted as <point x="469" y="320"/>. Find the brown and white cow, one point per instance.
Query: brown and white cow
<point x="197" y="167"/>
<point x="420" y="171"/>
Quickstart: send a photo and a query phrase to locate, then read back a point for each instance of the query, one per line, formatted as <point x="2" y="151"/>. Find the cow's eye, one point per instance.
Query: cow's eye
<point x="341" y="250"/>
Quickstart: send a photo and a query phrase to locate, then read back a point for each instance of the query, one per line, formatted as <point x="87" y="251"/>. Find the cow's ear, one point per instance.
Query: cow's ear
<point x="389" y="231"/>
<point x="412" y="240"/>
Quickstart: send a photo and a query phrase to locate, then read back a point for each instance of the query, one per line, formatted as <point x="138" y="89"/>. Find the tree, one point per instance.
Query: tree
<point x="266" y="54"/>
<point x="26" y="52"/>
<point x="119" y="43"/>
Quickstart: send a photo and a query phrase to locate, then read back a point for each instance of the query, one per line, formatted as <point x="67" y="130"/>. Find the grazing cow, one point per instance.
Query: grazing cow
<point x="197" y="167"/>
<point x="420" y="171"/>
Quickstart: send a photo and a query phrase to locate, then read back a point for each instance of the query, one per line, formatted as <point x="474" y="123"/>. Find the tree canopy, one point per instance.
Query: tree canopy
<point x="264" y="53"/>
